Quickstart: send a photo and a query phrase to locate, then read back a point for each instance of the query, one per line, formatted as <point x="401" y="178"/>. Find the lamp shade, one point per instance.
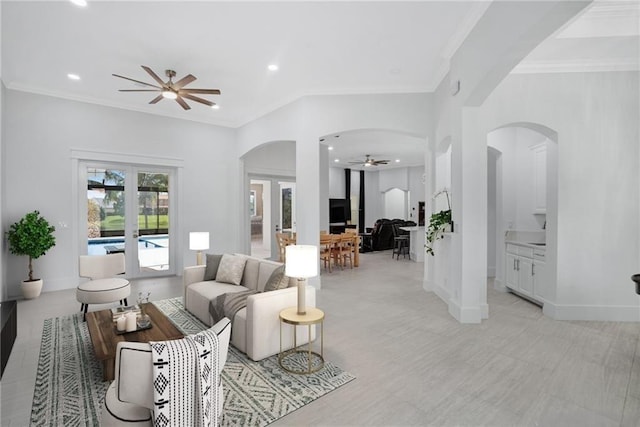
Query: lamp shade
<point x="199" y="240"/>
<point x="302" y="261"/>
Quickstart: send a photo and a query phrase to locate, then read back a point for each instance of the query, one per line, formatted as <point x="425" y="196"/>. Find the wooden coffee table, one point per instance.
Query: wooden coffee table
<point x="105" y="340"/>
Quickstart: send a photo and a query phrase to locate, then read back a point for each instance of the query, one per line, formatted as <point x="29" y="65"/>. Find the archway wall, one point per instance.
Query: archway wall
<point x="598" y="201"/>
<point x="309" y="118"/>
<point x="503" y="36"/>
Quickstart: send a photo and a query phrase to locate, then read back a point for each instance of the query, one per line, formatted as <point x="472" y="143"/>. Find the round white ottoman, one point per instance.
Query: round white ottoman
<point x="102" y="291"/>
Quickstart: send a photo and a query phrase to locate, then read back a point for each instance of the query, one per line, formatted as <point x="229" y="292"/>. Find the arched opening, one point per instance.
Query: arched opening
<point x="269" y="177"/>
<point x="522" y="210"/>
<point x="397" y="161"/>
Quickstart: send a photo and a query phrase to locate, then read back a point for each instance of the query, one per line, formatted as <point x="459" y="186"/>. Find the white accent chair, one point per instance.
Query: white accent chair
<point x="129" y="398"/>
<point x="103" y="288"/>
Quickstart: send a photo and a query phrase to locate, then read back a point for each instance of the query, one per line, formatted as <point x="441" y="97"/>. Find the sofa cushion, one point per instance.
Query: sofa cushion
<point x="277" y="280"/>
<point x="266" y="269"/>
<point x="213" y="262"/>
<point x="250" y="276"/>
<point x="200" y="294"/>
<point x="231" y="269"/>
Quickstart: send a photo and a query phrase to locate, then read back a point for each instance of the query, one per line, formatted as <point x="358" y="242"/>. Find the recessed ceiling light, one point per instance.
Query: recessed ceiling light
<point x="73" y="76"/>
<point x="81" y="3"/>
<point x="337" y="160"/>
<point x="272" y="67"/>
<point x="215" y="106"/>
<point x="330" y="148"/>
<point x="397" y="160"/>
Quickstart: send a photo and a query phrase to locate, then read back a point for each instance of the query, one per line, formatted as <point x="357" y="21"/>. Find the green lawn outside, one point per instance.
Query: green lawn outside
<point x="116" y="222"/>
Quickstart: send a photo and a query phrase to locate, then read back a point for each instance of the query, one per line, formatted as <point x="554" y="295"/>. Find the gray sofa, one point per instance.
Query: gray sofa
<point x="256" y="328"/>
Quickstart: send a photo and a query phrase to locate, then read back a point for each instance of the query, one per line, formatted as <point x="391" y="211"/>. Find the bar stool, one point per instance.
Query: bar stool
<point x="400" y="242"/>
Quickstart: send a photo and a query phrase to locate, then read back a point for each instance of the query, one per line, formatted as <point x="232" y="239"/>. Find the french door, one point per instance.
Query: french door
<point x="129" y="209"/>
<point x="288" y="206"/>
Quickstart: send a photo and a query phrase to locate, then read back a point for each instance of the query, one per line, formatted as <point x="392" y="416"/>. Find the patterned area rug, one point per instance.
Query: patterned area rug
<point x="69" y="389"/>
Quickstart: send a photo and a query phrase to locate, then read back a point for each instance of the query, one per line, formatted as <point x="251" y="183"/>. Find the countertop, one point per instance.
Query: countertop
<point x="526" y="244"/>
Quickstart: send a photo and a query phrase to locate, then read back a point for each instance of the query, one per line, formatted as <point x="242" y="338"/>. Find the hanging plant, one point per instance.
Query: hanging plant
<point x="439" y="222"/>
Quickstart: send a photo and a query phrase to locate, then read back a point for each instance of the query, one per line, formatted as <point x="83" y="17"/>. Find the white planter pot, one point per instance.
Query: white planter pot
<point x="31" y="290"/>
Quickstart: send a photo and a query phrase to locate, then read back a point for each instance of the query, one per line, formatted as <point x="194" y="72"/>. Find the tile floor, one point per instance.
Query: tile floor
<point x="415" y="365"/>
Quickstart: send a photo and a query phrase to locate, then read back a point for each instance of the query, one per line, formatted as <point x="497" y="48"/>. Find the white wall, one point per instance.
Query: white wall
<point x="395" y="204"/>
<point x="275" y="159"/>
<point x="40" y="133"/>
<point x="518" y="181"/>
<point x="336" y="183"/>
<point x="598" y="183"/>
<point x="416" y="191"/>
<point x="373" y="199"/>
<point x="393" y="178"/>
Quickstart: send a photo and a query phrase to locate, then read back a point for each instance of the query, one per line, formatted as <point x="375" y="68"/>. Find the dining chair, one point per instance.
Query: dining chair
<point x="327" y="242"/>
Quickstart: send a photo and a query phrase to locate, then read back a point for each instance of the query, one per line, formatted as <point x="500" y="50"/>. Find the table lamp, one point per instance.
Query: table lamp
<point x="301" y="263"/>
<point x="199" y="241"/>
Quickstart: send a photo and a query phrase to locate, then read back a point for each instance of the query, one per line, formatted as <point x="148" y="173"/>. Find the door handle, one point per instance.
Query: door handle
<point x="135" y="235"/>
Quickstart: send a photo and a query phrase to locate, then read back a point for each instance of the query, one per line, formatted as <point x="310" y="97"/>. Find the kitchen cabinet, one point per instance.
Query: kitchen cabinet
<point x="524" y="269"/>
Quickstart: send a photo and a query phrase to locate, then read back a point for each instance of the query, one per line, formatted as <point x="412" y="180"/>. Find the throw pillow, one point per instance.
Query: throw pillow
<point x="213" y="262"/>
<point x="231" y="269"/>
<point x="277" y="280"/>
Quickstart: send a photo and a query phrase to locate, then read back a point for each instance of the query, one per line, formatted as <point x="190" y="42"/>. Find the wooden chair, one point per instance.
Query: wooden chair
<point x="283" y="240"/>
<point x="344" y="249"/>
<point x="327" y="242"/>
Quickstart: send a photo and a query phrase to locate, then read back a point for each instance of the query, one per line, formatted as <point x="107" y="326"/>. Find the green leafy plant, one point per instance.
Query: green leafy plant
<point x="437" y="225"/>
<point x="31" y="236"/>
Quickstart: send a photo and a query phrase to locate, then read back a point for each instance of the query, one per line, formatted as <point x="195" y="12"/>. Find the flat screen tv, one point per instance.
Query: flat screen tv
<point x="338" y="211"/>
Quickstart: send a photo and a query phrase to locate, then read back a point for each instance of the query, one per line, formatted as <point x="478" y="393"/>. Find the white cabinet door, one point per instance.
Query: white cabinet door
<point x="512" y="271"/>
<point x="540" y="280"/>
<point x="525" y="276"/>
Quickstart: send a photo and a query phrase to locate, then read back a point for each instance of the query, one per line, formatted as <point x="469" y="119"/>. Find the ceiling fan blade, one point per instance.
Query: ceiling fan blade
<point x="183" y="104"/>
<point x="139" y="90"/>
<point x="136" y="81"/>
<point x="156" y="99"/>
<point x="154" y="75"/>
<point x="197" y="99"/>
<point x="184" y="81"/>
<point x="204" y="91"/>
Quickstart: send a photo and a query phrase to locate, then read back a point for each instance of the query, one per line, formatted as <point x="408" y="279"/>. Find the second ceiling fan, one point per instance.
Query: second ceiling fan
<point x="370" y="161"/>
<point x="171" y="89"/>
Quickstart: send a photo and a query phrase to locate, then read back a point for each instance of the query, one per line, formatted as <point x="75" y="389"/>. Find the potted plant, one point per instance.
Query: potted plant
<point x="439" y="223"/>
<point x="31" y="236"/>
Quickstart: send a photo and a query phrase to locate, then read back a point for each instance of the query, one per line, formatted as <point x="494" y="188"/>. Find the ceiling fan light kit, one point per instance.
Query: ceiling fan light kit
<point x="171" y="89"/>
<point x="370" y="161"/>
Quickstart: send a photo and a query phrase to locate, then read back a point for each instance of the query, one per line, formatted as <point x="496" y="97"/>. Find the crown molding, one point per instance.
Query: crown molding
<point x="581" y="66"/>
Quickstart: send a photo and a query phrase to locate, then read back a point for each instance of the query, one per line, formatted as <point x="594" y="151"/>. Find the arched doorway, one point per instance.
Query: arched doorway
<point x="522" y="209"/>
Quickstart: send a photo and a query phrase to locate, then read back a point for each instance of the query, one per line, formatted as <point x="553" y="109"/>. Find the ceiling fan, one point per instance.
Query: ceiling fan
<point x="370" y="161"/>
<point x="171" y="89"/>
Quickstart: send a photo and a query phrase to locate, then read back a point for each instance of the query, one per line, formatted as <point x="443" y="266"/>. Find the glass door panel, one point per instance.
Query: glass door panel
<point x="287" y="206"/>
<point x="153" y="221"/>
<point x="106" y="210"/>
<point x="128" y="211"/>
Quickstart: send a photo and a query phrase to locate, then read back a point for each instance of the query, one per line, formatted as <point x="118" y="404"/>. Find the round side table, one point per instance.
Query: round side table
<point x="313" y="316"/>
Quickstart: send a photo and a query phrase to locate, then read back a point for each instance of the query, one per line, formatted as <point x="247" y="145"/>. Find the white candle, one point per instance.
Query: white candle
<point x="131" y="322"/>
<point x="121" y="323"/>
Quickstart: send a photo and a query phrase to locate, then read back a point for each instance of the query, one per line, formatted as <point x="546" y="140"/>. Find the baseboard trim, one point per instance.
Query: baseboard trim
<point x="465" y="314"/>
<point x="484" y="311"/>
<point x="614" y="313"/>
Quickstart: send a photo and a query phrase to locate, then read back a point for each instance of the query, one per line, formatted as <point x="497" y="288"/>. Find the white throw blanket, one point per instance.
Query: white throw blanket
<point x="185" y="381"/>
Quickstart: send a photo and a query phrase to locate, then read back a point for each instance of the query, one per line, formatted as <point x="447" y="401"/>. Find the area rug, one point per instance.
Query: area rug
<point x="69" y="389"/>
